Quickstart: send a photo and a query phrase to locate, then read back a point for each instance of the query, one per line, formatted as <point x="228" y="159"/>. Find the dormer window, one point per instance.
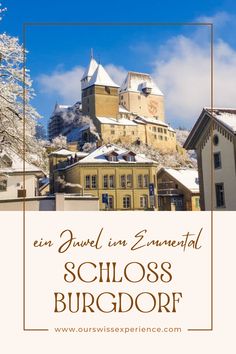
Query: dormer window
<point x="112" y="156"/>
<point x="130" y="156"/>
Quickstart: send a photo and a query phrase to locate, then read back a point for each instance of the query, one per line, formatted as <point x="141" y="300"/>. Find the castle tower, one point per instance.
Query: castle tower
<point x="100" y="97"/>
<point x="89" y="72"/>
<point x="140" y="95"/>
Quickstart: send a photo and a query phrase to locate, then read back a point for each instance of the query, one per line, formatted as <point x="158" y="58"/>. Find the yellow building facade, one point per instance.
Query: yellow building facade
<point x="120" y="176"/>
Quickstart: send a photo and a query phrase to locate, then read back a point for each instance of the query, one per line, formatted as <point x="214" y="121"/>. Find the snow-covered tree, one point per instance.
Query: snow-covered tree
<point x="59" y="142"/>
<point x="40" y="132"/>
<point x="2" y="10"/>
<point x="17" y="116"/>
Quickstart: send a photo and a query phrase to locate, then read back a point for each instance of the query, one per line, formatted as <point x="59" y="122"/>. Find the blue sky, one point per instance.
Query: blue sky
<point x="177" y="57"/>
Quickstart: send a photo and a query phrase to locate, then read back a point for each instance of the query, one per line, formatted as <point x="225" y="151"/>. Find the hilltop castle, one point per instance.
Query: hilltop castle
<point x="130" y="113"/>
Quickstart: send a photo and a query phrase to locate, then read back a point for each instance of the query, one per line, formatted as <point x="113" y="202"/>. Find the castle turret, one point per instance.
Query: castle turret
<point x="89" y="72"/>
<point x="100" y="97"/>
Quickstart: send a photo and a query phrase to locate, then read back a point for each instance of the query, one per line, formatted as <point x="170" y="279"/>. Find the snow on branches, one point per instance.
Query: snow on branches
<point x="17" y="116"/>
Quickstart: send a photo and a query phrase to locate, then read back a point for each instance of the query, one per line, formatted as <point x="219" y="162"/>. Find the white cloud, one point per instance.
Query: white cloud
<point x="66" y="84"/>
<point x="182" y="70"/>
<point x="117" y="73"/>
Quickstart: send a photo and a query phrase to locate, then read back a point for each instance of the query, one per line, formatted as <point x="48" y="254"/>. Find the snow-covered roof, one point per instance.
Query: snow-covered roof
<point x="16" y="164"/>
<point x="60" y="108"/>
<point x="100" y="156"/>
<point x="61" y="152"/>
<point x="227" y="116"/>
<point x="150" y="120"/>
<point x="101" y="78"/>
<point x="75" y="133"/>
<point x="114" y="121"/>
<point x="224" y="116"/>
<point x="136" y="82"/>
<point x="90" y="69"/>
<point x="65" y="152"/>
<point x="122" y="109"/>
<point x="187" y="177"/>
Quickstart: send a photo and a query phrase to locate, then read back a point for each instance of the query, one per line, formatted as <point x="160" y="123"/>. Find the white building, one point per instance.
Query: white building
<point x="217" y="179"/>
<point x="11" y="177"/>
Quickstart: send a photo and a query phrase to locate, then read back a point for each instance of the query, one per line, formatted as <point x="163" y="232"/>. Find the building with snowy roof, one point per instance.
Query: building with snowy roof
<point x="13" y="171"/>
<point x="118" y="177"/>
<point x="178" y="189"/>
<point x="214" y="139"/>
<point x="131" y="113"/>
<point x="140" y="95"/>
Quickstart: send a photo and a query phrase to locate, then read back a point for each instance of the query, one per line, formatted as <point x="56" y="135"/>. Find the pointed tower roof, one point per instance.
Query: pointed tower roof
<point x="90" y="69"/>
<point x="101" y="78"/>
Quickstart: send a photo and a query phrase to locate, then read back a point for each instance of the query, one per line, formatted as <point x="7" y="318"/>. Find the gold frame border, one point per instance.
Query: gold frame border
<point x="211" y="26"/>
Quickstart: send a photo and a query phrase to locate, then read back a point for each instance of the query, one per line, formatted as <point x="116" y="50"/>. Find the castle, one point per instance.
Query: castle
<point x="130" y="113"/>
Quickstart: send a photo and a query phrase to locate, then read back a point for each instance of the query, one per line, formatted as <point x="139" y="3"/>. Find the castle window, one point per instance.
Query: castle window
<point x="129" y="181"/>
<point x="140" y="181"/>
<point x="160" y="137"/>
<point x="105" y="181"/>
<point x="127" y="202"/>
<point x="123" y="181"/>
<point x="91" y="181"/>
<point x="217" y="160"/>
<point x="154" y="129"/>
<point x="145" y="180"/>
<point x="108" y="90"/>
<point x="87" y="181"/>
<point x="144" y="201"/>
<point x="160" y="130"/>
<point x="112" y="132"/>
<point x="112" y="181"/>
<point x="110" y="202"/>
<point x="220" y="195"/>
<point x="94" y="181"/>
<point x="165" y="131"/>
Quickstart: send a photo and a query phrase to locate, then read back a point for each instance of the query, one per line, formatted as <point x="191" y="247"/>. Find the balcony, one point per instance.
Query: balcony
<point x="168" y="189"/>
